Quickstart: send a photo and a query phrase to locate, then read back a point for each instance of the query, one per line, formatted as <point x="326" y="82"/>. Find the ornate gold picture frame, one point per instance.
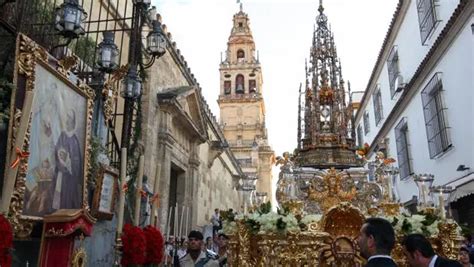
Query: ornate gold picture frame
<point x="49" y="138"/>
<point x="103" y="204"/>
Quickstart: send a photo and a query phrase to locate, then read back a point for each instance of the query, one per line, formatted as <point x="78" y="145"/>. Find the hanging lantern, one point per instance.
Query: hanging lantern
<point x="69" y="18"/>
<point x="107" y="53"/>
<point x="156" y="41"/>
<point x="142" y="2"/>
<point x="131" y="85"/>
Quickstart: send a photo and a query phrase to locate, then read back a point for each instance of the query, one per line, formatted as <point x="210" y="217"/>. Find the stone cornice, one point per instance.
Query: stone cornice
<point x="173" y="107"/>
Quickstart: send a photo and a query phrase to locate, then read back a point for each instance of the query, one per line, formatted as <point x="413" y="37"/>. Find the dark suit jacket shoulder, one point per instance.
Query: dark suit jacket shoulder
<point x="443" y="262"/>
<point x="381" y="262"/>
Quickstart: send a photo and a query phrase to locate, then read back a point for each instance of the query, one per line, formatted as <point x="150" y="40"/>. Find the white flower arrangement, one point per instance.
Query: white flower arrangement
<point x="311" y="218"/>
<point x="291" y="223"/>
<point x="229" y="227"/>
<point x="417" y="223"/>
<point x="270" y="222"/>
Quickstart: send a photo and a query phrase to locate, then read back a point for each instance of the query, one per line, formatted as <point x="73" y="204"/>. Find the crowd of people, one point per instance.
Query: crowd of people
<point x="376" y="241"/>
<point x="194" y="252"/>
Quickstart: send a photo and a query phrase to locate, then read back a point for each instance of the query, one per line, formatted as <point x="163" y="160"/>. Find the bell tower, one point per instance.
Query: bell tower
<point x="242" y="109"/>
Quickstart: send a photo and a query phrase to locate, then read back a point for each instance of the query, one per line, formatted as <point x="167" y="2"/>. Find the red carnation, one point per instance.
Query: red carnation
<point x="134" y="245"/>
<point x="6" y="242"/>
<point x="154" y="245"/>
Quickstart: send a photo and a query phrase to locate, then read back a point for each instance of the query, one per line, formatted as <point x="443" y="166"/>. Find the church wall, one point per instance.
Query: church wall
<point x="168" y="143"/>
<point x="216" y="187"/>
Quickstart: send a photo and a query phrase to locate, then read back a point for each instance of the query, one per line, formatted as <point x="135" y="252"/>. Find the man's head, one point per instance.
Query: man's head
<point x="464" y="256"/>
<point x="418" y="250"/>
<point x="195" y="240"/>
<point x="216" y="211"/>
<point x="223" y="239"/>
<point x="376" y="237"/>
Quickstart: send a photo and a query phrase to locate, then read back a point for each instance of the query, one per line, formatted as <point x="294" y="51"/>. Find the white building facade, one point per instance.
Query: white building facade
<point x="418" y="104"/>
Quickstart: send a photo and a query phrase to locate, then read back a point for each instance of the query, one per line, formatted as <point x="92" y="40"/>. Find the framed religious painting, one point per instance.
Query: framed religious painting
<point x="49" y="137"/>
<point x="105" y="193"/>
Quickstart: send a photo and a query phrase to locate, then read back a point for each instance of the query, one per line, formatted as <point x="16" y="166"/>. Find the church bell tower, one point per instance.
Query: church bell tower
<point x="242" y="109"/>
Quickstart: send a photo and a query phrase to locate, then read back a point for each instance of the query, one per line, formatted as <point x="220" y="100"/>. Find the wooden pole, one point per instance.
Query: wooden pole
<point x="138" y="195"/>
<point x="9" y="184"/>
<point x="156" y="201"/>
<point x="122" y="182"/>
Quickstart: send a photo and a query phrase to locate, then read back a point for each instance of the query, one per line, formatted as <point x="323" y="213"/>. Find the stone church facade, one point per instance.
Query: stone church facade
<point x="184" y="146"/>
<point x="242" y="108"/>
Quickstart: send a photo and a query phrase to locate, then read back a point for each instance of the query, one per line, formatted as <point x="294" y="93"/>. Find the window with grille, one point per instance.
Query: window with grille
<point x="401" y="136"/>
<point x="393" y="69"/>
<point x="378" y="108"/>
<point x="435" y="117"/>
<point x="360" y="137"/>
<point x="366" y="123"/>
<point x="426" y="18"/>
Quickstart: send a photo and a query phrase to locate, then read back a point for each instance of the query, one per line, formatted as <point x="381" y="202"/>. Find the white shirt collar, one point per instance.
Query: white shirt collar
<point x="379" y="256"/>
<point x="433" y="260"/>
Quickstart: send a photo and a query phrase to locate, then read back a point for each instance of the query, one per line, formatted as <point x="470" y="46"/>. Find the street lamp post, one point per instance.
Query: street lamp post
<point x="156" y="47"/>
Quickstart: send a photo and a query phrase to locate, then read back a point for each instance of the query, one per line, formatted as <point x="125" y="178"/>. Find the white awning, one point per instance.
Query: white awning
<point x="462" y="190"/>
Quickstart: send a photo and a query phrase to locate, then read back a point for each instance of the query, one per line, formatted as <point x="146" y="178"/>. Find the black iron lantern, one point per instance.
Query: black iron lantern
<point x="107" y="53"/>
<point x="69" y="18"/>
<point x="132" y="84"/>
<point x="142" y="2"/>
<point x="156" y="41"/>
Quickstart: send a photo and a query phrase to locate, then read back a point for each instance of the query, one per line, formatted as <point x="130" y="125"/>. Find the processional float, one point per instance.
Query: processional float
<point x="324" y="191"/>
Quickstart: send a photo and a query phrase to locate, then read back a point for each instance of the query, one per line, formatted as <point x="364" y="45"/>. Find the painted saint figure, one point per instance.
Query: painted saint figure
<point x="69" y="167"/>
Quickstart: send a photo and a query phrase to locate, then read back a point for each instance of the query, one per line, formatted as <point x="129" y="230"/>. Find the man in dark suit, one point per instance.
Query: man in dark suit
<point x="420" y="253"/>
<point x="376" y="241"/>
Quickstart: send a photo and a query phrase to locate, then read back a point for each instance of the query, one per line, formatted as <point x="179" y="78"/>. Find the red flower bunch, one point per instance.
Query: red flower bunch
<point x="6" y="242"/>
<point x="134" y="245"/>
<point x="154" y="245"/>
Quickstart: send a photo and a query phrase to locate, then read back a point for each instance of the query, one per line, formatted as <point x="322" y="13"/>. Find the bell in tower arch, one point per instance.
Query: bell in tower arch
<point x="239" y="84"/>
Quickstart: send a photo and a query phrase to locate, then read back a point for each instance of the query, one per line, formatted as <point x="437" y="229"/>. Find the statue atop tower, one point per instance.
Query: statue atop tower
<point x="325" y="133"/>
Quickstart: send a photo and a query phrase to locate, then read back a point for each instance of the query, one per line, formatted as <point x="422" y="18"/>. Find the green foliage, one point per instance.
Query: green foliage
<point x="228" y="215"/>
<point x="430" y="218"/>
<point x="395" y="221"/>
<point x="406" y="226"/>
<point x="84" y="48"/>
<point x="283" y="211"/>
<point x="6" y="89"/>
<point x="252" y="225"/>
<point x="264" y="208"/>
<point x="280" y="224"/>
<point x="96" y="149"/>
